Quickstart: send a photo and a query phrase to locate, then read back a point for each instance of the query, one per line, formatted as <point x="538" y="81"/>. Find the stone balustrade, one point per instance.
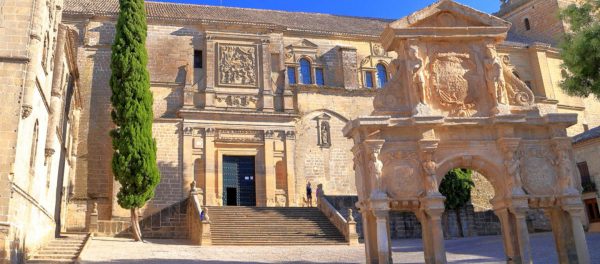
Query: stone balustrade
<point x="346" y="226"/>
<point x="198" y="219"/>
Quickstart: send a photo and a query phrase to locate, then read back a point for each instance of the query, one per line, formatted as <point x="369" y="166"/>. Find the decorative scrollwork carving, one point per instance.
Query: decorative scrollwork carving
<point x="518" y="92"/>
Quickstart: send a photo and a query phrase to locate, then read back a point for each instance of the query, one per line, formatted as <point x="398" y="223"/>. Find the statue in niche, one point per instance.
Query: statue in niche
<point x="513" y="167"/>
<point x="416" y="66"/>
<point x="325" y="134"/>
<point x="496" y="82"/>
<point x="376" y="166"/>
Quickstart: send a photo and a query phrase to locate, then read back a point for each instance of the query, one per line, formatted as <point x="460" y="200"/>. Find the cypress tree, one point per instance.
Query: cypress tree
<point x="456" y="187"/>
<point x="580" y="49"/>
<point x="134" y="159"/>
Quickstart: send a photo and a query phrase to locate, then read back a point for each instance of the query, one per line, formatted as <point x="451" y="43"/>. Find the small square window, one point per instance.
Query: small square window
<point x="319" y="76"/>
<point x="291" y="71"/>
<point x="197" y="59"/>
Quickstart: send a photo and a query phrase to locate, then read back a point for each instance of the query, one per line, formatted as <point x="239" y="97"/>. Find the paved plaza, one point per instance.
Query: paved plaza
<point x="466" y="250"/>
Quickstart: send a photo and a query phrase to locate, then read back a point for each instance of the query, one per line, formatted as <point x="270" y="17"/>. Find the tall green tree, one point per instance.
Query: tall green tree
<point x="134" y="159"/>
<point x="580" y="49"/>
<point x="456" y="187"/>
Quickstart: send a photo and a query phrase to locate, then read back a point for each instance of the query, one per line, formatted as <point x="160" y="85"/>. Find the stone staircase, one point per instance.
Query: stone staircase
<point x="65" y="249"/>
<point x="239" y="225"/>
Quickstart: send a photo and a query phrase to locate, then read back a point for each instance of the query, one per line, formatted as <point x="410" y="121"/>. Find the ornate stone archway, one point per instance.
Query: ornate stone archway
<point x="453" y="101"/>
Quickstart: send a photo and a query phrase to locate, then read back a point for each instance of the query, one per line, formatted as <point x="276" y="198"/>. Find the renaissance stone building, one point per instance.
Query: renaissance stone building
<point x="249" y="104"/>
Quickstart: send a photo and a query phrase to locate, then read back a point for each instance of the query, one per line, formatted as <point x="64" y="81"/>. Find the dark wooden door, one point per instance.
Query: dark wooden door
<point x="239" y="184"/>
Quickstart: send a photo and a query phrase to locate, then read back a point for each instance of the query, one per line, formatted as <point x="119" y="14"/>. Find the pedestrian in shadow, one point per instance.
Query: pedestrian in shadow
<point x="309" y="194"/>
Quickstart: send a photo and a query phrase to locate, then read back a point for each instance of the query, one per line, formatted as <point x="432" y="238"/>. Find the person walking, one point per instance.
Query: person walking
<point x="309" y="194"/>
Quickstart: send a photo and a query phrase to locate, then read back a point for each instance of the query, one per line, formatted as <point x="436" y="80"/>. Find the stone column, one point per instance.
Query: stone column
<point x="267" y="91"/>
<point x="569" y="235"/>
<point x="56" y="92"/>
<point x="381" y="211"/>
<point x="188" y="160"/>
<point x="36" y="48"/>
<point x="290" y="143"/>
<point x="433" y="208"/>
<point x="512" y="213"/>
<point x="210" y="166"/>
<point x="510" y="241"/>
<point x="211" y="68"/>
<point x="522" y="233"/>
<point x="370" y="235"/>
<point x="270" y="177"/>
<point x="426" y="236"/>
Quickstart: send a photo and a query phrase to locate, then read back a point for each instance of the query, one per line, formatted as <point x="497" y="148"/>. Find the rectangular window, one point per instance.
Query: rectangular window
<point x="291" y="75"/>
<point x="369" y="79"/>
<point x="197" y="59"/>
<point x="591" y="206"/>
<point x="584" y="172"/>
<point x="319" y="76"/>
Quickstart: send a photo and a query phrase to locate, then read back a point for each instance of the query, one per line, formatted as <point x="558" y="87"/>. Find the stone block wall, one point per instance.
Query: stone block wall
<point x="543" y="18"/>
<point x="406" y="225"/>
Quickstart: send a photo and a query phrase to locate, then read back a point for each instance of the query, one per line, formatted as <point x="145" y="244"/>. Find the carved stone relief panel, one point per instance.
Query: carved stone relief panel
<point x="401" y="173"/>
<point x="239" y="136"/>
<point x="538" y="172"/>
<point x="237" y="65"/>
<point x="241" y="101"/>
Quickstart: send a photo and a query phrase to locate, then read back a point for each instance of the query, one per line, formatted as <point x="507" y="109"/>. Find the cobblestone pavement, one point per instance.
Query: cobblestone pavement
<point x="466" y="250"/>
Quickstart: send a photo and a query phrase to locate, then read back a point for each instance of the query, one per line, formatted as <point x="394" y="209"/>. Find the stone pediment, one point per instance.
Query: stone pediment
<point x="304" y="44"/>
<point x="445" y="19"/>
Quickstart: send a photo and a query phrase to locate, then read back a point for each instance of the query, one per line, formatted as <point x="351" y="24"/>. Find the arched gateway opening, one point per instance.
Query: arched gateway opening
<point x="454" y="102"/>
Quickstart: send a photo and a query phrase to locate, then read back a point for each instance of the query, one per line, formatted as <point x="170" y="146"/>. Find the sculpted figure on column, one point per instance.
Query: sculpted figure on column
<point x="376" y="166"/>
<point x="512" y="163"/>
<point x="564" y="165"/>
<point x="430" y="167"/>
<point x="496" y="82"/>
<point x="416" y="66"/>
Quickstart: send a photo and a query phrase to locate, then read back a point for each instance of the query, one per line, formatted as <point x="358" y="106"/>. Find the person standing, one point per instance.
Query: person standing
<point x="309" y="194"/>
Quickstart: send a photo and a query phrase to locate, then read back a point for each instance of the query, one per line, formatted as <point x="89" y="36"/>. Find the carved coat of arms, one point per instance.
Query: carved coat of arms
<point x="449" y="75"/>
<point x="237" y="65"/>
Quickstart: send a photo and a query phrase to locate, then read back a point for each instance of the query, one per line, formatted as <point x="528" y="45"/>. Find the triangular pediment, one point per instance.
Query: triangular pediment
<point x="447" y="13"/>
<point x="304" y="43"/>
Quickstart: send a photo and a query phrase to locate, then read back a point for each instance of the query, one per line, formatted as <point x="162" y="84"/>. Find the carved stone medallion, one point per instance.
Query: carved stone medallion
<point x="237" y="65"/>
<point x="537" y="171"/>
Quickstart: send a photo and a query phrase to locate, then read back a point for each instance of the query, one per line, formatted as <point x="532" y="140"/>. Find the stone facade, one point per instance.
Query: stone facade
<point x="586" y="146"/>
<point x="215" y="110"/>
<point x="38" y="133"/>
<point x="223" y="84"/>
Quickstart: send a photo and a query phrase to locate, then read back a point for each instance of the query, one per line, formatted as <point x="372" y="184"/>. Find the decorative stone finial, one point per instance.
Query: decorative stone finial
<point x="350" y="215"/>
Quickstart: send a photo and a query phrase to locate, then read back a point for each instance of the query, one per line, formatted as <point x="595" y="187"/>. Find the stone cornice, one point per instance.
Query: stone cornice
<point x="77" y="16"/>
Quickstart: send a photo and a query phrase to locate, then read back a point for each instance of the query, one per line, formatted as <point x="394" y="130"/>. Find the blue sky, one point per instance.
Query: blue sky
<point x="368" y="8"/>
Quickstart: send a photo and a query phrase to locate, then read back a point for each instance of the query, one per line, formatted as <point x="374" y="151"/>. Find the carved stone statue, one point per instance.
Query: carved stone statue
<point x="513" y="167"/>
<point x="495" y="76"/>
<point x="376" y="167"/>
<point x="565" y="168"/>
<point x="325" y="134"/>
<point x="416" y="66"/>
<point x="430" y="167"/>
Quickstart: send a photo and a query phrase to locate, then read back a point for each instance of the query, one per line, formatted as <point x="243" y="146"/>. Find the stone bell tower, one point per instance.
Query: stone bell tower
<point x="536" y="19"/>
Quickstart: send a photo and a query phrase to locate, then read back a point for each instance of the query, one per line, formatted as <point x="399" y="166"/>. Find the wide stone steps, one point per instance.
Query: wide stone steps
<point x="65" y="249"/>
<point x="240" y="225"/>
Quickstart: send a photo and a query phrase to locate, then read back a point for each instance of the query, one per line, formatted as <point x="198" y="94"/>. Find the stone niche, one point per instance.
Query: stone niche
<point x="453" y="102"/>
